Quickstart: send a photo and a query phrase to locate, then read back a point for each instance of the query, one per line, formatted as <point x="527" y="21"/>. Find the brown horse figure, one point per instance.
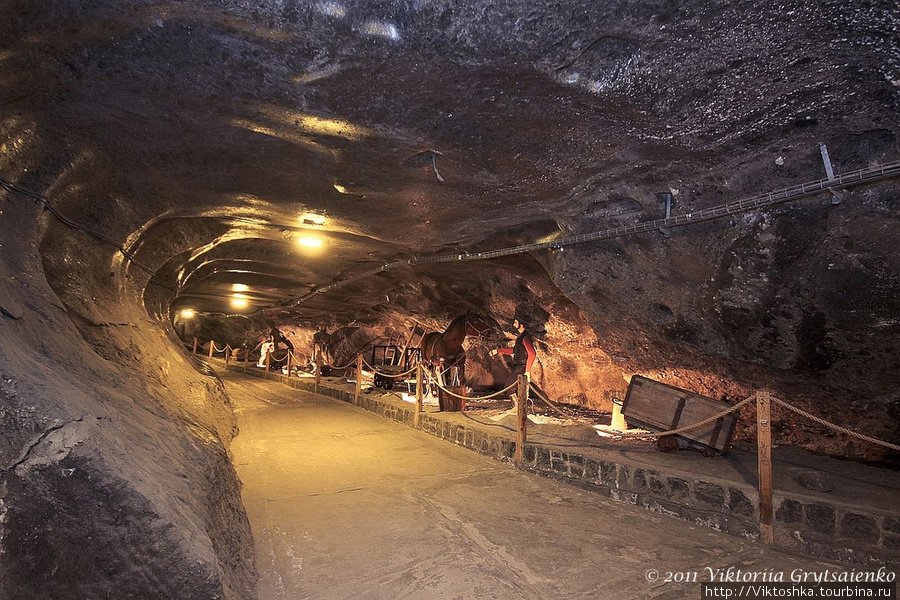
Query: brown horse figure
<point x="443" y="352"/>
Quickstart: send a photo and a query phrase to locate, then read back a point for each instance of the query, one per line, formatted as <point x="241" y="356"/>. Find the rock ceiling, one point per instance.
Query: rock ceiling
<point x="283" y="147"/>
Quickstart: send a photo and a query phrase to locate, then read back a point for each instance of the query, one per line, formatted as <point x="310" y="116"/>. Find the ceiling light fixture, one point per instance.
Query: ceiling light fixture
<point x="310" y="242"/>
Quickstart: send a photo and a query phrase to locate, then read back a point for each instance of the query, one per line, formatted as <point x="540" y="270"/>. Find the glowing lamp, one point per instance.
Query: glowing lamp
<point x="187" y="313"/>
<point x="310" y="242"/>
<point x="239" y="301"/>
<point x="240" y="287"/>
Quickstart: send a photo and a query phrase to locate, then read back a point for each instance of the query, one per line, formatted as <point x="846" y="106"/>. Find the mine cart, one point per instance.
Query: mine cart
<point x="661" y="407"/>
<point x="390" y="364"/>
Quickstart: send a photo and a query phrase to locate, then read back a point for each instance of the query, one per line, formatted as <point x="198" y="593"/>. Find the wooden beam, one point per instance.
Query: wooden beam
<point x="764" y="461"/>
<point x="521" y="420"/>
<point x="420" y="390"/>
<point x="318" y="372"/>
<point x="359" y="369"/>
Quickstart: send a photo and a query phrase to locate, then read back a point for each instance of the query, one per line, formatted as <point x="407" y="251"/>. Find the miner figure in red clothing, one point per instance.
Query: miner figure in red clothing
<point x="523" y="355"/>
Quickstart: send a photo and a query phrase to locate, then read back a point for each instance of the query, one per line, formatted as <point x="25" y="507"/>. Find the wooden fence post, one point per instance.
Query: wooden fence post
<point x="227" y="353"/>
<point x="246" y="358"/>
<point x="522" y="420"/>
<point x="359" y="367"/>
<point x="289" y="356"/>
<point x="212" y="346"/>
<point x="195" y="345"/>
<point x="318" y="372"/>
<point x="764" y="461"/>
<point x="268" y="361"/>
<point x="420" y="390"/>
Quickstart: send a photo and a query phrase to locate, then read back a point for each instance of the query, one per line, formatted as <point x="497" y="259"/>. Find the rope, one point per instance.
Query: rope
<point x="732" y="409"/>
<point x="686" y="427"/>
<point x="349" y="364"/>
<point x="836" y="427"/>
<point x="294" y="361"/>
<point x="216" y="348"/>
<point x="547" y="401"/>
<point x="494" y="395"/>
<point x="272" y="358"/>
<point x="375" y="370"/>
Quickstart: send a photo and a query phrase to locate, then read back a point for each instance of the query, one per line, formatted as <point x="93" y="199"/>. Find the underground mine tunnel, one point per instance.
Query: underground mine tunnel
<point x="701" y="196"/>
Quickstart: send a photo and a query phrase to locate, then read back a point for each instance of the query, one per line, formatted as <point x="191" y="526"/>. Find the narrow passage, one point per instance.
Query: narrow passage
<point x="347" y="505"/>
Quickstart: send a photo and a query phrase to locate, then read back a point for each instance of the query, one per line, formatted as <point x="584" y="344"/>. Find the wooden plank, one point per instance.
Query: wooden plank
<point x="420" y="389"/>
<point x="521" y="420"/>
<point x="359" y="372"/>
<point x="764" y="462"/>
<point x="663" y="407"/>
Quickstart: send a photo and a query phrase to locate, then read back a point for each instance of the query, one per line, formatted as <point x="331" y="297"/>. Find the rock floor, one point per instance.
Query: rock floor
<point x="345" y="504"/>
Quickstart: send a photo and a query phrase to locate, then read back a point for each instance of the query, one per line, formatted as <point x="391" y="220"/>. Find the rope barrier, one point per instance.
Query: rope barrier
<point x="216" y="348"/>
<point x="836" y="427"/>
<point x="494" y="395"/>
<point x="349" y="364"/>
<point x="272" y="358"/>
<point x="386" y="374"/>
<point x="553" y="406"/>
<point x="623" y="434"/>
<point x="293" y="358"/>
<point x="786" y="405"/>
<point x="715" y="417"/>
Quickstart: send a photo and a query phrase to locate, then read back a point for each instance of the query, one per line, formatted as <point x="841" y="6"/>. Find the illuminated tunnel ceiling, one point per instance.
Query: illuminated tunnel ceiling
<point x="209" y="138"/>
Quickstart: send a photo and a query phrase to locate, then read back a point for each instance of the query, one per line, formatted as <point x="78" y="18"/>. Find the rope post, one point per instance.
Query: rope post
<point x="268" y="361"/>
<point x="195" y="345"/>
<point x="318" y="372"/>
<point x="764" y="461"/>
<point x="289" y="357"/>
<point x="246" y="358"/>
<point x="212" y="346"/>
<point x="359" y="367"/>
<point x="420" y="385"/>
<point x="522" y="420"/>
<point x="227" y="353"/>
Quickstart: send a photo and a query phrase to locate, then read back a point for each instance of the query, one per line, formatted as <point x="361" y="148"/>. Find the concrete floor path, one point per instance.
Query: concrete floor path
<point x="344" y="504"/>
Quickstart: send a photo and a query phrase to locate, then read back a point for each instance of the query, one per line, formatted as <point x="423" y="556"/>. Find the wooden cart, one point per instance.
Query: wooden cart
<point x="390" y="363"/>
<point x="662" y="407"/>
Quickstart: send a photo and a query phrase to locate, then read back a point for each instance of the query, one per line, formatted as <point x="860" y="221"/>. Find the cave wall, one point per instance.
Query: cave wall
<point x="115" y="477"/>
<point x="800" y="299"/>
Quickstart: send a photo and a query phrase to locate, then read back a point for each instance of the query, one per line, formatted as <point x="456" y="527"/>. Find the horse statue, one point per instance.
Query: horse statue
<point x="443" y="353"/>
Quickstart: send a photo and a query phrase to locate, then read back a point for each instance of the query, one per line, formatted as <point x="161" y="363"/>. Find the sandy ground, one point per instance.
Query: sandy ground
<point x="344" y="504"/>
